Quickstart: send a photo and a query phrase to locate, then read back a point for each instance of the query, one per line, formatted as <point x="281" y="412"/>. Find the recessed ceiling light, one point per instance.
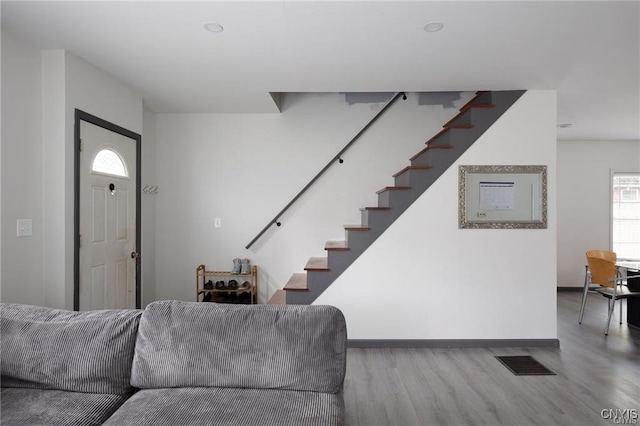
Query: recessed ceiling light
<point x="213" y="27"/>
<point x="564" y="125"/>
<point x="433" y="26"/>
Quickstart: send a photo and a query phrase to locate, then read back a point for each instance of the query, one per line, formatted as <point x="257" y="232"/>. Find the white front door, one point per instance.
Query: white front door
<point x="107" y="216"/>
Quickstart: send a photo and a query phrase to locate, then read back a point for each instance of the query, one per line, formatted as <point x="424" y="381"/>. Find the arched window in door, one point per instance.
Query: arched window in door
<point x="109" y="162"/>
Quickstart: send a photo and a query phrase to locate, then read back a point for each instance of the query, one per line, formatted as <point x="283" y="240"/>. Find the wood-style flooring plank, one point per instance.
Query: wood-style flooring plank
<point x="469" y="386"/>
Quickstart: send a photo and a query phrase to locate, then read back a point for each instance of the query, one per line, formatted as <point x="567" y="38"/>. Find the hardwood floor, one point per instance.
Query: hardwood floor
<point x="470" y="387"/>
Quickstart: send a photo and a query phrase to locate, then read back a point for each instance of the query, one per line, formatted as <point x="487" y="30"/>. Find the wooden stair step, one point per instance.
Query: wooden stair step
<point x="406" y="169"/>
<point x="458" y="126"/>
<point x="356" y="228"/>
<point x="466" y="107"/>
<point x="451" y="123"/>
<point x="375" y="208"/>
<point x="471" y="103"/>
<point x="393" y="188"/>
<point x="317" y="264"/>
<point x="336" y="246"/>
<point x="278" y="298"/>
<point x="297" y="282"/>
<point x="429" y="147"/>
<point x="437" y="135"/>
<point x="469" y="106"/>
<point x="475" y="96"/>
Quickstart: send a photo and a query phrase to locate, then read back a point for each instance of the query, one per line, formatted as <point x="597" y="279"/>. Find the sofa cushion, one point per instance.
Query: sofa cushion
<point x="295" y="347"/>
<point x="229" y="406"/>
<point x="43" y="407"/>
<point x="49" y="348"/>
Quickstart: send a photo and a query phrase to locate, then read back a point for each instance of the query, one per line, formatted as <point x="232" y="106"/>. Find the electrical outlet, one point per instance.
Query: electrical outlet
<point x="25" y="227"/>
<point x="217" y="222"/>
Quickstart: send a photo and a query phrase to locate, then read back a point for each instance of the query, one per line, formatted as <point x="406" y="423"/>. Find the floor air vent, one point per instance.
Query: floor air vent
<point x="524" y="365"/>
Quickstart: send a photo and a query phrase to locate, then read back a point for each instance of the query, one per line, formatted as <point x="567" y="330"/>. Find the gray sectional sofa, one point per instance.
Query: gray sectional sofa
<point x="173" y="363"/>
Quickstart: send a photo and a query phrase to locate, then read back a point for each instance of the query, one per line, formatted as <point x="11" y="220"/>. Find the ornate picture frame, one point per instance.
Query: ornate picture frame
<point x="502" y="197"/>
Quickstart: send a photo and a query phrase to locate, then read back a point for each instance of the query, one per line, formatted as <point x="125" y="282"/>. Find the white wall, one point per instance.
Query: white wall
<point x="0" y="165"/>
<point x="37" y="168"/>
<point x="21" y="170"/>
<point x="426" y="279"/>
<point x="584" y="200"/>
<point x="245" y="168"/>
<point x="57" y="237"/>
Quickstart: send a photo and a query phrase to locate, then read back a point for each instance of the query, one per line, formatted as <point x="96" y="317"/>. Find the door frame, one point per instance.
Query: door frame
<point x="89" y="118"/>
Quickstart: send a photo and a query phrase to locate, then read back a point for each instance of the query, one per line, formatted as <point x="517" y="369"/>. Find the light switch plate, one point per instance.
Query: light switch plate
<point x="25" y="227"/>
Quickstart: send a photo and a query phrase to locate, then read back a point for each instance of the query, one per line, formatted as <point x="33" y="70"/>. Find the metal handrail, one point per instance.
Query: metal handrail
<point x="326" y="167"/>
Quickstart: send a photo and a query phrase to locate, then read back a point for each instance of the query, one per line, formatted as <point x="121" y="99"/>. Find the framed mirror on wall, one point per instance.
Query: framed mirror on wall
<point x="502" y="197"/>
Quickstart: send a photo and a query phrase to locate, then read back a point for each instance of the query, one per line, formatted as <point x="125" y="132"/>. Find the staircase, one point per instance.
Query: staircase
<point x="441" y="151"/>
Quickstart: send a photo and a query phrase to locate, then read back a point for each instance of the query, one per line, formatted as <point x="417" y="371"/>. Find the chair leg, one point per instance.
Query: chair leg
<point x="584" y="294"/>
<point x="620" y="303"/>
<point x="611" y="307"/>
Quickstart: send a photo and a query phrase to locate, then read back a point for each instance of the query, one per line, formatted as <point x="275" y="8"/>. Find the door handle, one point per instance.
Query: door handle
<point x="135" y="255"/>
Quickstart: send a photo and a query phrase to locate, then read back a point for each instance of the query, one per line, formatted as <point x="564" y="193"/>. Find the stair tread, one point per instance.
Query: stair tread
<point x="428" y="147"/>
<point x="477" y="95"/>
<point x="317" y="264"/>
<point x="439" y="146"/>
<point x="437" y="135"/>
<point x="393" y="188"/>
<point x="406" y="169"/>
<point x="297" y="282"/>
<point x="278" y="298"/>
<point x="356" y="228"/>
<point x="375" y="208"/>
<point x="336" y="245"/>
<point x="458" y="126"/>
<point x="482" y="105"/>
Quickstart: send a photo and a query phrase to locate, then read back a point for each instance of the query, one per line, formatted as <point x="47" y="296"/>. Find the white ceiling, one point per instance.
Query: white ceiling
<point x="588" y="51"/>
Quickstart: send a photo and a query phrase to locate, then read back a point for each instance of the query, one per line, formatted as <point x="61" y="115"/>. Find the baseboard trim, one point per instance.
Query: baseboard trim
<point x="572" y="288"/>
<point x="455" y="343"/>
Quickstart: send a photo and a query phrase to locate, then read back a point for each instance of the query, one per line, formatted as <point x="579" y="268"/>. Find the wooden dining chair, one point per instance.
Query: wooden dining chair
<point x="604" y="273"/>
<point x="589" y="285"/>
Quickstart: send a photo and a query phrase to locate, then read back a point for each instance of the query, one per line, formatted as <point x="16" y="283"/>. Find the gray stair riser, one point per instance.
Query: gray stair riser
<point x="445" y="137"/>
<point x="399" y="200"/>
<point x="366" y="214"/>
<point x="359" y="240"/>
<point x="395" y="198"/>
<point x="421" y="181"/>
<point x="485" y="98"/>
<point x="481" y="117"/>
<point x="339" y="259"/>
<point x="427" y="157"/>
<point x="380" y="219"/>
<point x="364" y="217"/>
<point x="383" y="199"/>
<point x="474" y="117"/>
<point x="463" y="140"/>
<point x="317" y="282"/>
<point x="462" y="137"/>
<point x="411" y="175"/>
<point x="300" y="297"/>
<point x="502" y="102"/>
<point x="464" y="118"/>
<point x="440" y="162"/>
